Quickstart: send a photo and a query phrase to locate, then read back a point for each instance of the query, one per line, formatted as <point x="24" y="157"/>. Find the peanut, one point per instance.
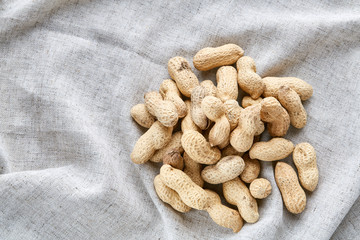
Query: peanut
<point x="193" y="170"/>
<point x="247" y="101"/>
<point x="214" y="110"/>
<point x="153" y="139"/>
<point x="275" y="149"/>
<point x="141" y="115"/>
<point x="293" y="195"/>
<point x="225" y="143"/>
<point x="227" y="88"/>
<point x="197" y="113"/>
<point x="224" y="170"/>
<point x="208" y="58"/>
<point x="174" y="159"/>
<point x="164" y="111"/>
<point x="221" y="214"/>
<point x="232" y="112"/>
<point x="272" y="85"/>
<point x="170" y="92"/>
<point x="230" y="150"/>
<point x="260" y="188"/>
<point x="190" y="193"/>
<point x="210" y="88"/>
<point x="175" y="143"/>
<point x="276" y="116"/>
<point x="292" y="102"/>
<point x="304" y="156"/>
<point x="248" y="80"/>
<point x="236" y="193"/>
<point x="180" y="70"/>
<point x="251" y="170"/>
<point x="187" y="123"/>
<point x="169" y="196"/>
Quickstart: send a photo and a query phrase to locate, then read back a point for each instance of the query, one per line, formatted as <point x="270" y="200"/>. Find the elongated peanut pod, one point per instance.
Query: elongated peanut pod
<point x="210" y="88"/>
<point x="197" y="113"/>
<point x="175" y="143"/>
<point x="275" y="149"/>
<point x="236" y="193"/>
<point x="304" y="156"/>
<point x="141" y="115"/>
<point x="196" y="146"/>
<point x="248" y="80"/>
<point x="153" y="139"/>
<point x="164" y="111"/>
<point x="193" y="170"/>
<point x="190" y="193"/>
<point x="180" y="70"/>
<point x="208" y="58"/>
<point x="232" y="112"/>
<point x="169" y="196"/>
<point x="273" y="84"/>
<point x="293" y="195"/>
<point x="251" y="169"/>
<point x="227" y="87"/>
<point x="247" y="101"/>
<point x="221" y="214"/>
<point x="292" y="102"/>
<point x="170" y="92"/>
<point x="187" y="123"/>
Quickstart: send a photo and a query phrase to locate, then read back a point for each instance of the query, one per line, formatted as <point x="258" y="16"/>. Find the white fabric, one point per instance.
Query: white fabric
<point x="71" y="70"/>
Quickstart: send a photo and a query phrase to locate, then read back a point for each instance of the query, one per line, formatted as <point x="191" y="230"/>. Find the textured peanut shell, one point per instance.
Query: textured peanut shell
<point x="164" y="111"/>
<point x="193" y="170"/>
<point x="292" y="102"/>
<point x="276" y="116"/>
<point x="230" y="150"/>
<point x="232" y="112"/>
<point x="174" y="159"/>
<point x="275" y="149"/>
<point x="272" y="85"/>
<point x="187" y="123"/>
<point x="180" y="70"/>
<point x="141" y="115"/>
<point x="208" y="58"/>
<point x="221" y="214"/>
<point x="170" y="92"/>
<point x="227" y="87"/>
<point x="251" y="170"/>
<point x="175" y="143"/>
<point x="225" y="143"/>
<point x="169" y="196"/>
<point x="249" y="81"/>
<point x="196" y="146"/>
<point x="236" y="193"/>
<point x="197" y="113"/>
<point x="260" y="188"/>
<point x="247" y="101"/>
<point x="213" y="107"/>
<point x="293" y="195"/>
<point x="304" y="157"/>
<point x="210" y="88"/>
<point x="156" y="137"/>
<point x="190" y="193"/>
<point x="224" y="170"/>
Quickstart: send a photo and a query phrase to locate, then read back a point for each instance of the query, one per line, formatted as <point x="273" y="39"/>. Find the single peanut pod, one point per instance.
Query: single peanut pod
<point x="292" y="102"/>
<point x="293" y="195"/>
<point x="227" y="87"/>
<point x="169" y="196"/>
<point x="230" y="150"/>
<point x="187" y="123"/>
<point x="196" y="146"/>
<point x="210" y="88"/>
<point x="251" y="169"/>
<point x="174" y="159"/>
<point x="273" y="84"/>
<point x="209" y="58"/>
<point x="249" y="81"/>
<point x="170" y="92"/>
<point x="247" y="101"/>
<point x="193" y="170"/>
<point x="221" y="214"/>
<point x="232" y="112"/>
<point x="236" y="193"/>
<point x="153" y="139"/>
<point x="175" y="143"/>
<point x="275" y="149"/>
<point x="304" y="156"/>
<point x="214" y="110"/>
<point x="260" y="188"/>
<point x="224" y="170"/>
<point x="164" y="111"/>
<point x="141" y="115"/>
<point x="197" y="114"/>
<point x="276" y="116"/>
<point x="190" y="193"/>
<point x="180" y="70"/>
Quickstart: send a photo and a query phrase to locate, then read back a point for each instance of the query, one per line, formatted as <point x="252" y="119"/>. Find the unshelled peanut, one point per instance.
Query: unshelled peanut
<point x="275" y="149"/>
<point x="227" y="87"/>
<point x="249" y="81"/>
<point x="170" y="92"/>
<point x="141" y="115"/>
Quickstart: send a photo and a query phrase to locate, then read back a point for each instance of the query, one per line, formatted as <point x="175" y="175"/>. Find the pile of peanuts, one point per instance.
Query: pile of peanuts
<point x="218" y="133"/>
